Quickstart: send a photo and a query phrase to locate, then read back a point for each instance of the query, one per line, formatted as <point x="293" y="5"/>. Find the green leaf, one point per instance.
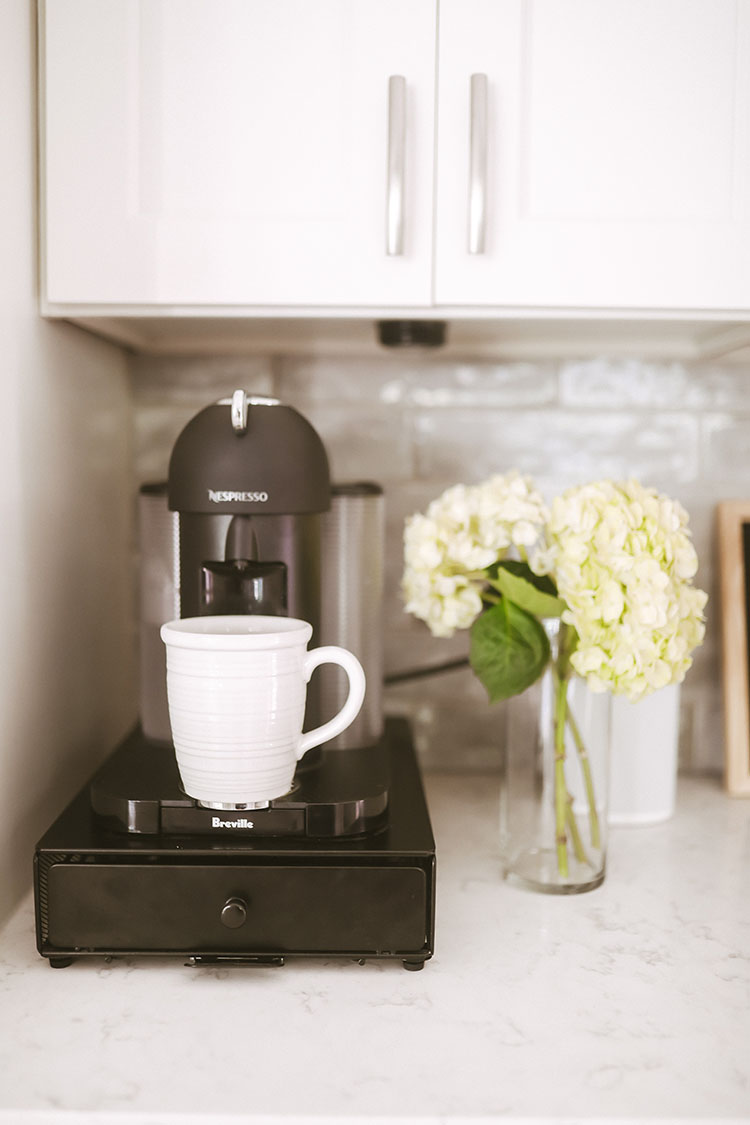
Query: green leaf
<point x="533" y="592"/>
<point x="509" y="650"/>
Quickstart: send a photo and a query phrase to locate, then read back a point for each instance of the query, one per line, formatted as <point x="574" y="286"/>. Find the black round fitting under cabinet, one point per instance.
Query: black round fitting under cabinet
<point x="412" y="333"/>
<point x="234" y="913"/>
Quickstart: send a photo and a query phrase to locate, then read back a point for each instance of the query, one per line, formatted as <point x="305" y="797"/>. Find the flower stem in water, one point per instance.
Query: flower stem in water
<point x="588" y="780"/>
<point x="575" y="835"/>
<point x="562" y="806"/>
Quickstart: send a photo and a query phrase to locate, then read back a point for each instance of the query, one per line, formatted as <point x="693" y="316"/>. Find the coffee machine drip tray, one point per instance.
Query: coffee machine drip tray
<point x="335" y="793"/>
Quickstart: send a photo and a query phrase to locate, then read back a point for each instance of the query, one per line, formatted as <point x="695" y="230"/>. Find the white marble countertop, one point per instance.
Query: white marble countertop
<point x="632" y="1001"/>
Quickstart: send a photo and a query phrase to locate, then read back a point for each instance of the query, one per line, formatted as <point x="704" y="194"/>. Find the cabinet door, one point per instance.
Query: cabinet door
<point x="618" y="158"/>
<point x="234" y="152"/>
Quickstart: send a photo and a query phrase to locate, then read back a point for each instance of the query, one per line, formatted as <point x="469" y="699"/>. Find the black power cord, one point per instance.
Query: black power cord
<point x="422" y="673"/>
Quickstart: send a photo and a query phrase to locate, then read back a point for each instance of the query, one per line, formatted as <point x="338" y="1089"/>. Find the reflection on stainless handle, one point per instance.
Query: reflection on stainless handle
<point x="239" y="412"/>
<point x="394" y="214"/>
<point x="478" y="165"/>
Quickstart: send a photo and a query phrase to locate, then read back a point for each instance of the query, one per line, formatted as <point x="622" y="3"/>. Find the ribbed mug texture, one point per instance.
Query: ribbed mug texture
<point x="236" y="721"/>
<point x="237" y="704"/>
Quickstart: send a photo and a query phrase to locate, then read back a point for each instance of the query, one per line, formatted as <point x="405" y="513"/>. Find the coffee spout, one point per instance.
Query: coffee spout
<point x="241" y="541"/>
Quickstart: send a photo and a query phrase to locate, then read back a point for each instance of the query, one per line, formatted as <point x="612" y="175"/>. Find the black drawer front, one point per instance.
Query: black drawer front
<point x="316" y="908"/>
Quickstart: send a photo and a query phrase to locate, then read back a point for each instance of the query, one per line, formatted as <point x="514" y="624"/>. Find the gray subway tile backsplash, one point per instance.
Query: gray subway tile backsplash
<point x="558" y="444"/>
<point x="419" y="425"/>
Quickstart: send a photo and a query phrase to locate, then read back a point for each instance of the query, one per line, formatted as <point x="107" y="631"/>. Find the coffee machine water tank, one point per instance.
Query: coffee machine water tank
<point x="249" y="479"/>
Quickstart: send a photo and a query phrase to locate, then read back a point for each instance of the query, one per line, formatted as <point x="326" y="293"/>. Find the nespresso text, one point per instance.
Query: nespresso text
<point x="221" y="497"/>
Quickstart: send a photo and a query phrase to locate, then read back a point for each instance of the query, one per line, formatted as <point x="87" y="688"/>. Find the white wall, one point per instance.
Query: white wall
<point x="66" y="647"/>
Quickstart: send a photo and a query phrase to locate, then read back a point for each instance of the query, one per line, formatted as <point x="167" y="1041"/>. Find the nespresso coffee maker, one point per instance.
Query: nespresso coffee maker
<point x="343" y="864"/>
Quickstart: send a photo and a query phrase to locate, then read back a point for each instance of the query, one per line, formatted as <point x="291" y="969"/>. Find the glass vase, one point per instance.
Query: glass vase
<point x="553" y="809"/>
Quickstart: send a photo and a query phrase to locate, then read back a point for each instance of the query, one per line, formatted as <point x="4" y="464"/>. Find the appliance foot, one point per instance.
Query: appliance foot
<point x="60" y="962"/>
<point x="414" y="966"/>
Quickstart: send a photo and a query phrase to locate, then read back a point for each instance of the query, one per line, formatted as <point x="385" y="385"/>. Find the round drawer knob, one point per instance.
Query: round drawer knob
<point x="234" y="913"/>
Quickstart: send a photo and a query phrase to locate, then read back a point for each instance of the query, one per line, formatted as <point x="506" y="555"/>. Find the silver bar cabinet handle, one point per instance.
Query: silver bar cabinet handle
<point x="478" y="164"/>
<point x="394" y="207"/>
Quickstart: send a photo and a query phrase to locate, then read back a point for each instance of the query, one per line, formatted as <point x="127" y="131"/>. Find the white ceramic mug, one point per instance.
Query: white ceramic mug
<point x="236" y="687"/>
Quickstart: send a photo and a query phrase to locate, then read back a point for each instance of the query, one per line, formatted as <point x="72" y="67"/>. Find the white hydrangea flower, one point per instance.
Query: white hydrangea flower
<point x="620" y="555"/>
<point x="622" y="560"/>
<point x="464" y="531"/>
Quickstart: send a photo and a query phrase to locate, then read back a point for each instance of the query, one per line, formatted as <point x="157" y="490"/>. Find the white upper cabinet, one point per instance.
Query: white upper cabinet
<point x="237" y="152"/>
<point x="617" y="145"/>
<point x="258" y="154"/>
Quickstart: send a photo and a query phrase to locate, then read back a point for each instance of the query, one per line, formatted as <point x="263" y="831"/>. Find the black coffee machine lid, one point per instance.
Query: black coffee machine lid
<point x="249" y="454"/>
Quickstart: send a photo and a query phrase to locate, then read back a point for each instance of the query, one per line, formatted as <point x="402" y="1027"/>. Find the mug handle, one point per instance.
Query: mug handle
<point x="332" y="654"/>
